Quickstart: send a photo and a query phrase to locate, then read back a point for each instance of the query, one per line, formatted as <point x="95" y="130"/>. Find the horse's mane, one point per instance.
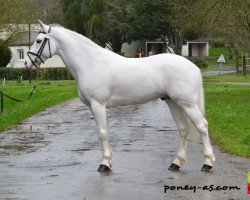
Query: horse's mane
<point x="79" y="36"/>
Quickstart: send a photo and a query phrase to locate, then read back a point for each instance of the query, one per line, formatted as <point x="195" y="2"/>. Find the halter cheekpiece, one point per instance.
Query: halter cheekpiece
<point x="39" y="53"/>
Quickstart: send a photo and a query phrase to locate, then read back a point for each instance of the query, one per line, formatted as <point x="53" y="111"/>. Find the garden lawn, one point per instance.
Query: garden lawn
<point x="215" y="53"/>
<point x="47" y="94"/>
<point x="228" y="114"/>
<point x="227" y="78"/>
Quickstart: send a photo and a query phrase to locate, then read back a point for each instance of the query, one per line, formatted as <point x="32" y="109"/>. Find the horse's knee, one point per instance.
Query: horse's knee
<point x="183" y="129"/>
<point x="205" y="122"/>
<point x="183" y="132"/>
<point x="203" y="129"/>
<point x="103" y="134"/>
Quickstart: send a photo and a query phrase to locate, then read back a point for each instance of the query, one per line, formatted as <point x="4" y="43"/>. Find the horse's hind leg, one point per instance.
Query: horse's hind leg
<point x="193" y="112"/>
<point x="99" y="112"/>
<point x="182" y="124"/>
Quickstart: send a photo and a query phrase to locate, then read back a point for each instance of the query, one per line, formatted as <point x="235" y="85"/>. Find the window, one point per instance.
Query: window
<point x="20" y="54"/>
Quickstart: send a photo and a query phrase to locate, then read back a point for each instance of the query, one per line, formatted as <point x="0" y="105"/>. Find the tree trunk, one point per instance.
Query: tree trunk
<point x="244" y="63"/>
<point x="88" y="27"/>
<point x="175" y="41"/>
<point x="116" y="43"/>
<point x="237" y="61"/>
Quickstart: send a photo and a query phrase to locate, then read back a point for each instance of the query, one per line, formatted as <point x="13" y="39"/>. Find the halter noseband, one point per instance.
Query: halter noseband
<point x="39" y="53"/>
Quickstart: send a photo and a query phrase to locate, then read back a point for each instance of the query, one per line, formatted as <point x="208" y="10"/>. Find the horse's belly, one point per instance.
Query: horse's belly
<point x="132" y="99"/>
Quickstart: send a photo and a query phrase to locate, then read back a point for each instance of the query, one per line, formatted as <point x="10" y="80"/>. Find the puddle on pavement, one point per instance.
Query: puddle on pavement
<point x="23" y="138"/>
<point x="81" y="150"/>
<point x="15" y="147"/>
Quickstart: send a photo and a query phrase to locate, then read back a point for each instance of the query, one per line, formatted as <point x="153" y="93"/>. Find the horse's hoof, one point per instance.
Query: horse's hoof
<point x="206" y="168"/>
<point x="104" y="168"/>
<point x="174" y="167"/>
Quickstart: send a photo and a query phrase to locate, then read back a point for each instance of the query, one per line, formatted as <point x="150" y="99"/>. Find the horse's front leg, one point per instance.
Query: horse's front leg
<point x="99" y="112"/>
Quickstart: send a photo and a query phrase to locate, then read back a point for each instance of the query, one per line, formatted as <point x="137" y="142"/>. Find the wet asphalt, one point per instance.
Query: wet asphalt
<point x="55" y="155"/>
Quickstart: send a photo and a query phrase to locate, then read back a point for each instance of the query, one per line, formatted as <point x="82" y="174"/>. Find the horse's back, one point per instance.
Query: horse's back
<point x="138" y="80"/>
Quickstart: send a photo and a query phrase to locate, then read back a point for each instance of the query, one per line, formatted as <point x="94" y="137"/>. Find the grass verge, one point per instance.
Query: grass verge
<point x="228" y="113"/>
<point x="47" y="94"/>
<point x="227" y="78"/>
<point x="215" y="53"/>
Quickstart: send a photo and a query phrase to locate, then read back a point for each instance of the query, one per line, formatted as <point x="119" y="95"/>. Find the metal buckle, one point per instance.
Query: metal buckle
<point x="47" y="35"/>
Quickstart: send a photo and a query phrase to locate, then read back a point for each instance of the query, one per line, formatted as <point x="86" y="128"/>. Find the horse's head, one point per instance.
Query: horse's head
<point x="43" y="48"/>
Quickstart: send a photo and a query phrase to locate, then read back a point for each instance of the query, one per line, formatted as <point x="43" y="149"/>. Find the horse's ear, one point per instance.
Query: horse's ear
<point x="44" y="27"/>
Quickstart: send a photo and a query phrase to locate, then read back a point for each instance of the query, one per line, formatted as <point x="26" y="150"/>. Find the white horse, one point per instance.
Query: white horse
<point x="106" y="79"/>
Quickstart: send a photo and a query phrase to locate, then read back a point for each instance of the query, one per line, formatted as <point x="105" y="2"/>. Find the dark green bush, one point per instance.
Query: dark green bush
<point x="218" y="42"/>
<point x="44" y="74"/>
<point x="5" y="55"/>
<point x="201" y="63"/>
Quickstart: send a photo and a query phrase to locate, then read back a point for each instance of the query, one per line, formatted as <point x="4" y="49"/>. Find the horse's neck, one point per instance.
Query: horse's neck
<point x="78" y="53"/>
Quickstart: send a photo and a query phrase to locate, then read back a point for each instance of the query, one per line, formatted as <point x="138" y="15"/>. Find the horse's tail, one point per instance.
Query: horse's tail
<point x="201" y="101"/>
<point x="201" y="104"/>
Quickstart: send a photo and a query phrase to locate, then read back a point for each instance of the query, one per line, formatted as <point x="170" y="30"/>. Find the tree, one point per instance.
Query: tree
<point x="152" y="20"/>
<point x="84" y="16"/>
<point x="114" y="33"/>
<point x="5" y="54"/>
<point x="102" y="21"/>
<point x="228" y="19"/>
<point x="51" y="11"/>
<point x="8" y="20"/>
<point x="15" y="14"/>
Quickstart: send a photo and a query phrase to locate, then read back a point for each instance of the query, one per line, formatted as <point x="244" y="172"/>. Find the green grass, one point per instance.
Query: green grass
<point x="215" y="53"/>
<point x="228" y="114"/>
<point x="227" y="78"/>
<point x="213" y="62"/>
<point x="47" y="94"/>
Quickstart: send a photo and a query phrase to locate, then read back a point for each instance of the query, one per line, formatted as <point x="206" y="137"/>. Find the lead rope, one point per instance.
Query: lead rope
<point x="2" y="94"/>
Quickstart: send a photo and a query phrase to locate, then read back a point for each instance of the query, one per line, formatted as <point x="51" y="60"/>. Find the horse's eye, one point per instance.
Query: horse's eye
<point x="38" y="41"/>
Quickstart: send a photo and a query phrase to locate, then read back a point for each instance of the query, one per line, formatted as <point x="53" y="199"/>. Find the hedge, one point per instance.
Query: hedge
<point x="201" y="63"/>
<point x="59" y="73"/>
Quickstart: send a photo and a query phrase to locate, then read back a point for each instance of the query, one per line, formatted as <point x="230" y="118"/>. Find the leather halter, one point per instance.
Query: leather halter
<point x="40" y="51"/>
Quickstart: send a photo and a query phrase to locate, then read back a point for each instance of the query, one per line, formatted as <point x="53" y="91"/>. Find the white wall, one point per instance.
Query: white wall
<point x="184" y="50"/>
<point x="130" y="49"/>
<point x="198" y="49"/>
<point x="15" y="62"/>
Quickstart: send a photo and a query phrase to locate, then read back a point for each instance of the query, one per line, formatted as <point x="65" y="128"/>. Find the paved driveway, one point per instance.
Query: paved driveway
<point x="55" y="155"/>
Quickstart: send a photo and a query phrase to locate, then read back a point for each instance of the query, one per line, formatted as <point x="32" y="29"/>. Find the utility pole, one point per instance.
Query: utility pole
<point x="29" y="35"/>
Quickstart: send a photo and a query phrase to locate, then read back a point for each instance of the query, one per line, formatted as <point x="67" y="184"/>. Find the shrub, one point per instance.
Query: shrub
<point x="5" y="55"/>
<point x="44" y="74"/>
<point x="201" y="63"/>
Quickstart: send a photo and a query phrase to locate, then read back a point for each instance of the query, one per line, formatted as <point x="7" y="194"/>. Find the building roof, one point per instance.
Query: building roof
<point x="23" y="39"/>
<point x="198" y="40"/>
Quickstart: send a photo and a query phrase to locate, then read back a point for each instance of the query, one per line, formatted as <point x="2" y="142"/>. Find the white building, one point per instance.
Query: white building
<point x="194" y="48"/>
